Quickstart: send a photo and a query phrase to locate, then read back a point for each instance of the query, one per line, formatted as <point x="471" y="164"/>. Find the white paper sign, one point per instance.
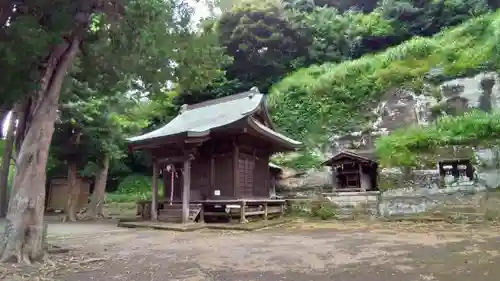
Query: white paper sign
<point x="217" y="192"/>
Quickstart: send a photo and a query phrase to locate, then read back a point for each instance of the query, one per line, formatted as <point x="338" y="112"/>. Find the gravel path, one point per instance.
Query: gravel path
<point x="309" y="252"/>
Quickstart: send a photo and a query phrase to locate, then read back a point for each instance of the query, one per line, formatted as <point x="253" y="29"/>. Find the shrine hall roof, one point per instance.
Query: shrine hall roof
<point x="200" y="119"/>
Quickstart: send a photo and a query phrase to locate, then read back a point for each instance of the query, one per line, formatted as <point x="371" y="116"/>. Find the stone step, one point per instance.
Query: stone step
<point x="458" y="209"/>
<point x="179" y="206"/>
<point x="173" y="213"/>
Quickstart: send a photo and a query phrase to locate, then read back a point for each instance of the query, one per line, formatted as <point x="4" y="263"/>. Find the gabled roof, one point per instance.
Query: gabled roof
<point x="264" y="130"/>
<point x="198" y="120"/>
<point x="364" y="156"/>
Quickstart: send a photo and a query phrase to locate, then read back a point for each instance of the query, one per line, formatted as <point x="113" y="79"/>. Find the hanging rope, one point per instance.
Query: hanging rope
<point x="173" y="173"/>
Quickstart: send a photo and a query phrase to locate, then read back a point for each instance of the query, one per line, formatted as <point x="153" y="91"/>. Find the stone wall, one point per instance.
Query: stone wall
<point x="444" y="202"/>
<point x="352" y="204"/>
<point x="392" y="179"/>
<point x="462" y="203"/>
<point x="420" y="192"/>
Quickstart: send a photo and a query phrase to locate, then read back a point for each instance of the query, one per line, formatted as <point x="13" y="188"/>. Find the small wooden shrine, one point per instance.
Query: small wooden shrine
<point x="353" y="171"/>
<point x="57" y="191"/>
<point x="214" y="158"/>
<point x="455" y="162"/>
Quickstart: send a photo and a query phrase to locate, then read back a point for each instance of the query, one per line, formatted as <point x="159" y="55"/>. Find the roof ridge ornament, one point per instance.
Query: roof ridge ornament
<point x="183" y="109"/>
<point x="252" y="92"/>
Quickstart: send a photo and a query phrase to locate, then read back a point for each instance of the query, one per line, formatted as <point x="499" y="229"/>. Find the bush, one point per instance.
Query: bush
<point x="301" y="161"/>
<point x="324" y="210"/>
<point x="137" y="183"/>
<point x="299" y="209"/>
<point x="123" y="198"/>
<point x="134" y="188"/>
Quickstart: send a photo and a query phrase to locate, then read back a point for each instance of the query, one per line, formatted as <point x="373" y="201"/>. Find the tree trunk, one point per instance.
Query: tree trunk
<point x="24" y="229"/>
<point x="73" y="193"/>
<point x="5" y="167"/>
<point x="95" y="208"/>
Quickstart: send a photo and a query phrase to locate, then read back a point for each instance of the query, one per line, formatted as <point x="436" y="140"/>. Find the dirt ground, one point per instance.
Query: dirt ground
<point x="301" y="251"/>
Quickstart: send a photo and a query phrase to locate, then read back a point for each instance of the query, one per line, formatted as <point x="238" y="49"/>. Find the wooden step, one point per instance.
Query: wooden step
<point x="193" y="213"/>
<point x="174" y="206"/>
<point x="173" y="213"/>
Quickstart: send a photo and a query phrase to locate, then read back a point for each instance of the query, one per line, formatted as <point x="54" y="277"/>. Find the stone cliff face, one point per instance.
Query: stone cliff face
<point x="401" y="107"/>
<point x="481" y="91"/>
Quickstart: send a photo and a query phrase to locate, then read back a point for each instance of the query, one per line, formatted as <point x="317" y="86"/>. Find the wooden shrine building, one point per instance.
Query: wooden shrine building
<point x="214" y="158"/>
<point x="353" y="171"/>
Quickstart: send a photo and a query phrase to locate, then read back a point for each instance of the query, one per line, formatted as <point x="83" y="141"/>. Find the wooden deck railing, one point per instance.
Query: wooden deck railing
<point x="230" y="208"/>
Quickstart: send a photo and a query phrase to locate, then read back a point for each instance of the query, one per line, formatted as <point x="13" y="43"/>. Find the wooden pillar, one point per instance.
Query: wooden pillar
<point x="154" y="201"/>
<point x="236" y="187"/>
<point x="265" y="211"/>
<point x="202" y="213"/>
<point x="186" y="190"/>
<point x="335" y="183"/>
<point x="243" y="205"/>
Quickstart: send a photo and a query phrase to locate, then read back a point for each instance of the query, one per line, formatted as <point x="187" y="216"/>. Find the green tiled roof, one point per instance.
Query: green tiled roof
<point x="267" y="131"/>
<point x="199" y="119"/>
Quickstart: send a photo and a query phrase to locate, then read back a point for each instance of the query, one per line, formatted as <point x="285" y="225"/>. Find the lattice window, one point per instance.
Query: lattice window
<point x="246" y="167"/>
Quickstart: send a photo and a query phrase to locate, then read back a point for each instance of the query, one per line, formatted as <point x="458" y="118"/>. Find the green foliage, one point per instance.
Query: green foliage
<point x="314" y="103"/>
<point x="337" y="37"/>
<point x="323" y="209"/>
<point x="301" y="161"/>
<point x="137" y="183"/>
<point x="268" y="39"/>
<point x="341" y="5"/>
<point x="127" y="198"/>
<point x="118" y="86"/>
<point x="406" y="146"/>
<point x="133" y="188"/>
<point x="203" y="51"/>
<point x="263" y="42"/>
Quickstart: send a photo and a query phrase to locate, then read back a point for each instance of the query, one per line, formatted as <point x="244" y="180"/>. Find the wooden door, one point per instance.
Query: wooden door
<point x="246" y="168"/>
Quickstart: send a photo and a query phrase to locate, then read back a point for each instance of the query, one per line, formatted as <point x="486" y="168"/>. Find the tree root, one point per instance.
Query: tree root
<point x="89" y="214"/>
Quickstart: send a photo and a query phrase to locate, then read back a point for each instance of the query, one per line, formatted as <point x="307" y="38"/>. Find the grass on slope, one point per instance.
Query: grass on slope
<point x="406" y="145"/>
<point x="316" y="102"/>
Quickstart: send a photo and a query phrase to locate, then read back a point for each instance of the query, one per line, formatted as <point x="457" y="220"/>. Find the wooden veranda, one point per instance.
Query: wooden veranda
<point x="214" y="158"/>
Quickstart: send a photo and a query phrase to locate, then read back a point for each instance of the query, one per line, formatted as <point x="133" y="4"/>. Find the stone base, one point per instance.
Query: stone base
<point x="197" y="226"/>
<point x="162" y="225"/>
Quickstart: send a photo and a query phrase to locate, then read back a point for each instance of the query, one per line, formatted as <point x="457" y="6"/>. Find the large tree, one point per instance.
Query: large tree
<point x="263" y="42"/>
<point x="100" y="123"/>
<point x="39" y="47"/>
<point x="101" y="109"/>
